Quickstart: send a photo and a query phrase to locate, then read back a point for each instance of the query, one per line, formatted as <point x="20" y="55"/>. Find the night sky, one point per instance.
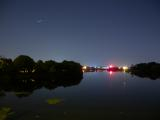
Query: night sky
<point x="92" y="32"/>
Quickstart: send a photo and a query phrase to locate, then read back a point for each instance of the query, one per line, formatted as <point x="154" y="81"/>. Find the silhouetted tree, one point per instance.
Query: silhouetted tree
<point x="151" y="70"/>
<point x="50" y="66"/>
<point x="6" y="65"/>
<point x="39" y="67"/>
<point x="45" y="67"/>
<point x="24" y="63"/>
<point x="69" y="68"/>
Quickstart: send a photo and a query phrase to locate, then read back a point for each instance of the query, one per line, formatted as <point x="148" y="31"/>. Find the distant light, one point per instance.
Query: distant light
<point x="110" y="66"/>
<point x="84" y="67"/>
<point x="32" y="80"/>
<point x="125" y="68"/>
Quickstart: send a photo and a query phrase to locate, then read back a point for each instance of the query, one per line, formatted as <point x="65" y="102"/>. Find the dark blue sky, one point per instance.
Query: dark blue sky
<point x="93" y="32"/>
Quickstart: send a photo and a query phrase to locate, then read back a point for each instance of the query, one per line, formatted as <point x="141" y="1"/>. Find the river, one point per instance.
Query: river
<point x="99" y="95"/>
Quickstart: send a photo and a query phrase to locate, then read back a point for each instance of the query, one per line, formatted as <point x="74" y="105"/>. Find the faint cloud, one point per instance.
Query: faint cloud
<point x="41" y="20"/>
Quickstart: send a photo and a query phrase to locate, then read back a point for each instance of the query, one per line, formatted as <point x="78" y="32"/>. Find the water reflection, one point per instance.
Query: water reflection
<point x="151" y="75"/>
<point x="110" y="73"/>
<point x="23" y="86"/>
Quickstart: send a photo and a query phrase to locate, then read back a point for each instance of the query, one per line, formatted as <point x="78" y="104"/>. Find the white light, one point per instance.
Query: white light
<point x="125" y="68"/>
<point x="110" y="66"/>
<point x="84" y="67"/>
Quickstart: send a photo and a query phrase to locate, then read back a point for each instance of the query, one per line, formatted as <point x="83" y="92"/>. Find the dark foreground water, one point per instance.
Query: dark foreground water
<point x="100" y="95"/>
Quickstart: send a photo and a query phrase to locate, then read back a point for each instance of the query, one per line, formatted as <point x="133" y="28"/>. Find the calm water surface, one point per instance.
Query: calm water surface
<point x="99" y="95"/>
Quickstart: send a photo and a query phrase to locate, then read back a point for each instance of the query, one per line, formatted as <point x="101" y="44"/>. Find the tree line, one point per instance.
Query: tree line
<point x="24" y="64"/>
<point x="151" y="70"/>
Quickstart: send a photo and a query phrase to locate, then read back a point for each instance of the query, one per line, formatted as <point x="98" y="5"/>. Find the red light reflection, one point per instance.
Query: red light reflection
<point x="110" y="72"/>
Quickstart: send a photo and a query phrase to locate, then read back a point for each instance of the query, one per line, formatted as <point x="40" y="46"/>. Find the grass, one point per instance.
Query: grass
<point x="5" y="112"/>
<point x="54" y="101"/>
